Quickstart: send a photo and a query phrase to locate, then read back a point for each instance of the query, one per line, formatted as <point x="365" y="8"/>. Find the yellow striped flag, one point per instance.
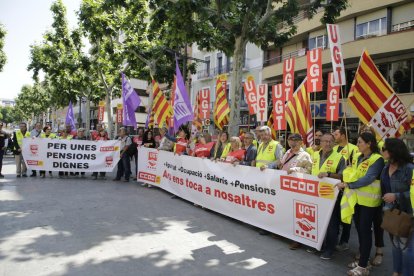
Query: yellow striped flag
<point x="298" y="113"/>
<point x="221" y="105"/>
<point x="197" y="123"/>
<point x="375" y="102"/>
<point x="160" y="106"/>
<point x="270" y="124"/>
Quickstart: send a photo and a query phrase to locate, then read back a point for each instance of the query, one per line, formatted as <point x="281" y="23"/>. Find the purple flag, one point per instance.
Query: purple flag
<point x="183" y="112"/>
<point x="70" y="118"/>
<point x="131" y="101"/>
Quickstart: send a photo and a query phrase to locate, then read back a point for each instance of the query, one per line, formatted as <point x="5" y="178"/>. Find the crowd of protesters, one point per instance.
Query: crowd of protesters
<point x="383" y="175"/>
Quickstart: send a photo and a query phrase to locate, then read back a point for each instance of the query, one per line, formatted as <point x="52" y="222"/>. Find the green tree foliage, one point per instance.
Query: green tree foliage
<point x="32" y="101"/>
<point x="8" y="115"/>
<point x="228" y="25"/>
<point x="3" y="58"/>
<point x="68" y="70"/>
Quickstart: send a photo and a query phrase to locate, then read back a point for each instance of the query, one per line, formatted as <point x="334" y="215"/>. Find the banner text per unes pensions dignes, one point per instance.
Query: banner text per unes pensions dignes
<point x="70" y="155"/>
<point x="296" y="206"/>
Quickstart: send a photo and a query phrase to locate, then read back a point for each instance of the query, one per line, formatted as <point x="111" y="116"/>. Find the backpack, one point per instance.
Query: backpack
<point x="132" y="149"/>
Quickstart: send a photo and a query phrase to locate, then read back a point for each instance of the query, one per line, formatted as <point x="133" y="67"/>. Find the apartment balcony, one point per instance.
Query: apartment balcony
<point x="212" y="72"/>
<point x="281" y="58"/>
<point x="378" y="45"/>
<point x="402" y="26"/>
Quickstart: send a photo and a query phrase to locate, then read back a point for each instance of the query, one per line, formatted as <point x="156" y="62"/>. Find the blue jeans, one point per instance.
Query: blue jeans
<point x="403" y="261"/>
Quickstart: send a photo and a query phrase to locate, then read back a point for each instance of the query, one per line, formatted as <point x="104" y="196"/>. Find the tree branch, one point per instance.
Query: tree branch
<point x="269" y="12"/>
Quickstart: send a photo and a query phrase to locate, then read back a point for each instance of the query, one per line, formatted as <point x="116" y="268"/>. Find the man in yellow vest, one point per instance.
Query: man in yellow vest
<point x="329" y="163"/>
<point x="343" y="146"/>
<point x="269" y="152"/>
<point x="316" y="143"/>
<point x="18" y="136"/>
<point x="348" y="151"/>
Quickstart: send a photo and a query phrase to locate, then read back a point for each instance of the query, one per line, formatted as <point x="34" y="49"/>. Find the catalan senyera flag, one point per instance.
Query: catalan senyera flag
<point x="270" y="124"/>
<point x="160" y="106"/>
<point x="374" y="101"/>
<point x="298" y="113"/>
<point x="221" y="105"/>
<point x="197" y="120"/>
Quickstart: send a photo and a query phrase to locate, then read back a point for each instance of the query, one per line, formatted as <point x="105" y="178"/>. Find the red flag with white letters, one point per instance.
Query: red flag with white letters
<point x="332" y="102"/>
<point x="288" y="77"/>
<point x="278" y="111"/>
<point x="314" y="72"/>
<point x="250" y="94"/>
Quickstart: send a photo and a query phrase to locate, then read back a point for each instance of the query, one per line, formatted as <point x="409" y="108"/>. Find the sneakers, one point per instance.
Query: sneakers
<point x="358" y="271"/>
<point x="326" y="255"/>
<point x="18" y="175"/>
<point x="342" y="247"/>
<point x="24" y="175"/>
<point x="33" y="175"/>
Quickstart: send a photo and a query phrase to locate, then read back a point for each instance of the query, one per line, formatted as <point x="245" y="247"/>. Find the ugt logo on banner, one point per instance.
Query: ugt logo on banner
<point x="306" y="220"/>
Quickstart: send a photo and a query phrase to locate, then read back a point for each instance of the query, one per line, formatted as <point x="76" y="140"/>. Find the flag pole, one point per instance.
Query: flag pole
<point x="314" y="117"/>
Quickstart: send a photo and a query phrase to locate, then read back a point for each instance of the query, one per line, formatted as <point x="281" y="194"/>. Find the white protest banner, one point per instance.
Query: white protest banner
<point x="262" y="102"/>
<point x="70" y="155"/>
<point x="295" y="206"/>
<point x="336" y="55"/>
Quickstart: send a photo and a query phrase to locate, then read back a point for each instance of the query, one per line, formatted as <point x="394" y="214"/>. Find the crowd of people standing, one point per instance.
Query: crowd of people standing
<point x="379" y="172"/>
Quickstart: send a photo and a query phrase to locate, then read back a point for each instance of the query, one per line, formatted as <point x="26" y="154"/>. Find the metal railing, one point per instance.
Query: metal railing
<point x="281" y="58"/>
<point x="212" y="72"/>
<point x="402" y="26"/>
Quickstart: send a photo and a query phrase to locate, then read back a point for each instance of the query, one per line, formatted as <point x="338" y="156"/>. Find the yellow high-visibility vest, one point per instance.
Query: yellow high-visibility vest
<point x="20" y="136"/>
<point x="330" y="165"/>
<point x="255" y="143"/>
<point x="347" y="150"/>
<point x="266" y="155"/>
<point x="51" y="136"/>
<point x="311" y="151"/>
<point x="412" y="192"/>
<point x="69" y="137"/>
<point x="226" y="150"/>
<point x="369" y="195"/>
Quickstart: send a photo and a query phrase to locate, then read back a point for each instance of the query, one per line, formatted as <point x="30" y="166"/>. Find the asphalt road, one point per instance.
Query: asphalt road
<point x="86" y="227"/>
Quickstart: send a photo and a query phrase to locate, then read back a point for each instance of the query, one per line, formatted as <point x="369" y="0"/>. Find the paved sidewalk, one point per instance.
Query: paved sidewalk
<point x="85" y="227"/>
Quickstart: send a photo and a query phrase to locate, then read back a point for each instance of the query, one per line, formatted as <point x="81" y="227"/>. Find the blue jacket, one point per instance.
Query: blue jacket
<point x="399" y="184"/>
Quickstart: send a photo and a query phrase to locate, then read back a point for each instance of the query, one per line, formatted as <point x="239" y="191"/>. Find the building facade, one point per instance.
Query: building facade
<point x="212" y="64"/>
<point x="385" y="28"/>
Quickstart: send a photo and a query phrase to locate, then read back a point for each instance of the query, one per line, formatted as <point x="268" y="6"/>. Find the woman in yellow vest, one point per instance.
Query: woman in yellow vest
<point x="366" y="192"/>
<point x="47" y="133"/>
<point x="396" y="180"/>
<point x="222" y="146"/>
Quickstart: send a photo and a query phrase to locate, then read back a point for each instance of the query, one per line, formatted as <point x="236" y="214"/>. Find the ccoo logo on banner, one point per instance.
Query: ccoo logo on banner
<point x="297" y="206"/>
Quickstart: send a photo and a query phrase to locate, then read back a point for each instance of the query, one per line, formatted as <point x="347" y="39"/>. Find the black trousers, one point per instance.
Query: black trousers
<point x="364" y="218"/>
<point x="1" y="159"/>
<point x="124" y="167"/>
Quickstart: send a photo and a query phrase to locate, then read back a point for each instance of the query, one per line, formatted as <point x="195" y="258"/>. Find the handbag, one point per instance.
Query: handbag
<point x="397" y="223"/>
